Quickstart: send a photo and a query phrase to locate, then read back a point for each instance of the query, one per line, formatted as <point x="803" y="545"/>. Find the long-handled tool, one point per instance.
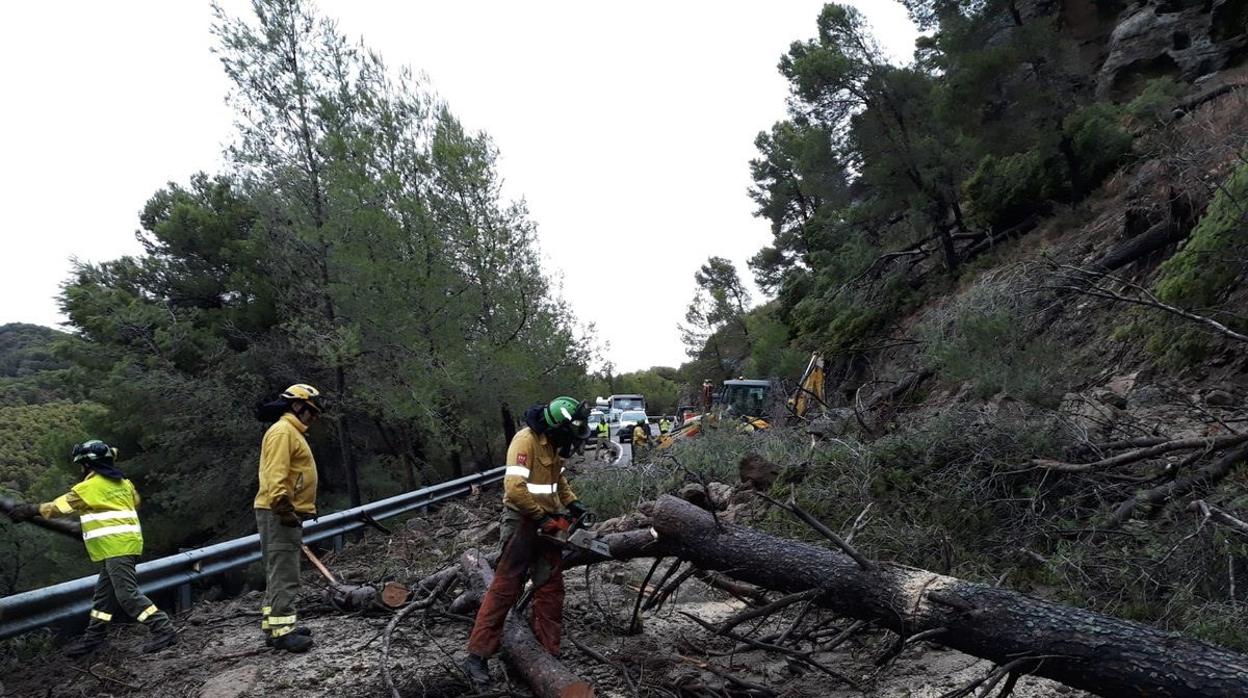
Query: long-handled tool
<point x="578" y="538"/>
<point x="61" y="526"/>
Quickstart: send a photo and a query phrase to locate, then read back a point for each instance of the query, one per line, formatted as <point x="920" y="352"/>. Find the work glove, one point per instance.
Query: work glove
<point x="553" y="524"/>
<point x="285" y="512"/>
<point x="24" y="512"/>
<point x="577" y="509"/>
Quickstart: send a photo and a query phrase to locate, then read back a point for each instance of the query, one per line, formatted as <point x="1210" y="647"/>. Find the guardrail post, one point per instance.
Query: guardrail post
<point x="184" y="598"/>
<point x="338" y="543"/>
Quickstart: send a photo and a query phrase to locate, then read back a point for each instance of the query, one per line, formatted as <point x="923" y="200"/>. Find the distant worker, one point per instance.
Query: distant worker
<point x="536" y="498"/>
<point x="604" y="436"/>
<point x="641" y="439"/>
<point x="708" y="391"/>
<point x="107" y="505"/>
<point x="286" y="497"/>
<point x="664" y="425"/>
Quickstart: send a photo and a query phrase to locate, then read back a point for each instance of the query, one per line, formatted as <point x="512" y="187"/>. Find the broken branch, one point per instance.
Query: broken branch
<point x="792" y="507"/>
<point x="1216" y="443"/>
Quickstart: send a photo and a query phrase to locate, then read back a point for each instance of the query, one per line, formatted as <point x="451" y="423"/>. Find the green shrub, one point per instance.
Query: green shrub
<point x="1152" y="107"/>
<point x="984" y="338"/>
<point x="1211" y="262"/>
<point x="1005" y="190"/>
<point x="1178" y="344"/>
<point x="1098" y="142"/>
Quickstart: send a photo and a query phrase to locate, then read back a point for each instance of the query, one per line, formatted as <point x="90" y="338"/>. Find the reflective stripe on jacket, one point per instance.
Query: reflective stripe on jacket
<point x="287" y="468"/>
<point x="109" y="512"/>
<point x="534" y="484"/>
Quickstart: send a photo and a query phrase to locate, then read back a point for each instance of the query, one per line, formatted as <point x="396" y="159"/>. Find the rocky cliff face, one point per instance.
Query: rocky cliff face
<point x="1185" y="39"/>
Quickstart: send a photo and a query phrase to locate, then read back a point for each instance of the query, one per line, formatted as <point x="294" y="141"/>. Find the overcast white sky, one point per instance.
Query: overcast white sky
<point x="627" y="127"/>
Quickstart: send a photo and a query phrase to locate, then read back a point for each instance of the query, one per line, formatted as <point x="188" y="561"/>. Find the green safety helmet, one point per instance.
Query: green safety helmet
<point x="568" y="411"/>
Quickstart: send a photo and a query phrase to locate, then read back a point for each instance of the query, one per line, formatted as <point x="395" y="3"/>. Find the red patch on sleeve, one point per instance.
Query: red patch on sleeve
<point x="522" y="459"/>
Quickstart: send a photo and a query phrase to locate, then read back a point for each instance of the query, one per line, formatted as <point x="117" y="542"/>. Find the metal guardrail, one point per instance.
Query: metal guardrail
<point x="37" y="608"/>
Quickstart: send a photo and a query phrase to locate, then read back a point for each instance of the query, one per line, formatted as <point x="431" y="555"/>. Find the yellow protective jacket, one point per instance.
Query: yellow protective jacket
<point x="639" y="435"/>
<point x="287" y="468"/>
<point x="109" y="512"/>
<point x="534" y="484"/>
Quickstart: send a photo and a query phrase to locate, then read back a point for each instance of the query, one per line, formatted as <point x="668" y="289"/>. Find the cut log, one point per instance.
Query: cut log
<point x="394" y="595"/>
<point x="546" y="675"/>
<point x="1083" y="649"/>
<point x="350" y="598"/>
<point x="64" y="527"/>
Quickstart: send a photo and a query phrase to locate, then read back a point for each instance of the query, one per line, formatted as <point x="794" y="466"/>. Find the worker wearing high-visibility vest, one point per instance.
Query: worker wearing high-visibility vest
<point x="537" y="503"/>
<point x="107" y="506"/>
<point x="287" y="496"/>
<point x="664" y="426"/>
<point x="604" y="437"/>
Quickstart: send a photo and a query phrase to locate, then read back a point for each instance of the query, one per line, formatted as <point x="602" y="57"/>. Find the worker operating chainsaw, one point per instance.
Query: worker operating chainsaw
<point x="538" y="507"/>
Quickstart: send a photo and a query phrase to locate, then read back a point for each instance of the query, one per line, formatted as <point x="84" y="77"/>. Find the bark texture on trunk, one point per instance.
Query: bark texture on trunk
<point x="1083" y="649"/>
<point x="546" y="675"/>
<point x="64" y="527"/>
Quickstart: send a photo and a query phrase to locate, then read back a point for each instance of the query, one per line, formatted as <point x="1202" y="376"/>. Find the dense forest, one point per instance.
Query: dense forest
<point x="358" y="241"/>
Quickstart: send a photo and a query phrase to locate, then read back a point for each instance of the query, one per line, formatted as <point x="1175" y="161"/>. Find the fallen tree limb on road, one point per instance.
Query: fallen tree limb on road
<point x="1080" y="648"/>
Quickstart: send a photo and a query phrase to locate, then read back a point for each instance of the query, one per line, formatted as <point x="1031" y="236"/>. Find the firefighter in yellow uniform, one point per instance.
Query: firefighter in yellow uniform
<point x="286" y="497"/>
<point x="536" y="497"/>
<point x="641" y="440"/>
<point x="107" y="506"/>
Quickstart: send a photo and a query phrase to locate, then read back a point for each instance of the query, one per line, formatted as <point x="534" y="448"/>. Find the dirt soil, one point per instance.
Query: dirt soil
<point x="221" y="653"/>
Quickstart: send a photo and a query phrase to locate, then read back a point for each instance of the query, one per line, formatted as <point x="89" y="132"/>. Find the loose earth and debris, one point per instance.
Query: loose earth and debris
<point x="671" y="649"/>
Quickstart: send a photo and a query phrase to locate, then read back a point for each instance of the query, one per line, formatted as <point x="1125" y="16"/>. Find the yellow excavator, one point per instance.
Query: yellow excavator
<point x="743" y="400"/>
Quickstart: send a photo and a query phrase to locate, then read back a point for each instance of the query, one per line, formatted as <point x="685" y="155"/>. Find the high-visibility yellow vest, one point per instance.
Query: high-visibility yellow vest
<point x="110" y="528"/>
<point x="603" y="429"/>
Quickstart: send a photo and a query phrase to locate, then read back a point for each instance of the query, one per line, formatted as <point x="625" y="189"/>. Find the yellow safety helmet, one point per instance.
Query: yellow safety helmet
<point x="307" y="393"/>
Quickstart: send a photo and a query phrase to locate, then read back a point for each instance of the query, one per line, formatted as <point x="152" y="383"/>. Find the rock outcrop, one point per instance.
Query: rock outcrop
<point x="1185" y="39"/>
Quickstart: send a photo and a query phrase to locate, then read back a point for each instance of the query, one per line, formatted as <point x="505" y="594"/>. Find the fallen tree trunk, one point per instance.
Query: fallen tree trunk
<point x="1160" y="235"/>
<point x="1208" y="475"/>
<point x="546" y="675"/>
<point x="1080" y="648"/>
